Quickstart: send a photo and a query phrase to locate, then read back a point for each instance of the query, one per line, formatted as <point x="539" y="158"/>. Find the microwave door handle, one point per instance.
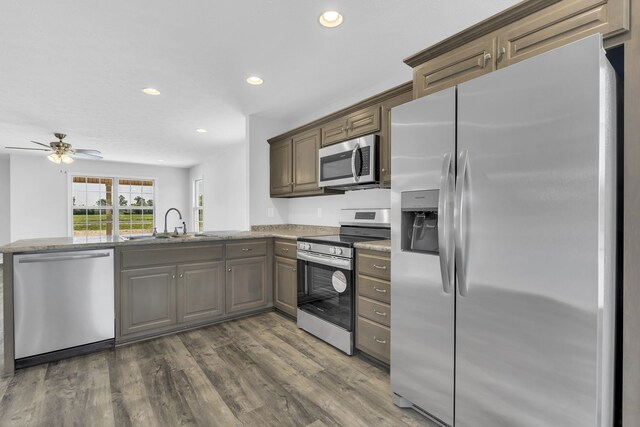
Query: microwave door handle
<point x="354" y="153"/>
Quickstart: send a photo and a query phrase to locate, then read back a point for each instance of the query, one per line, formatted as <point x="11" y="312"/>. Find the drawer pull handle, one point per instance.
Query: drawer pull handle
<point x="246" y="249"/>
<point x="285" y="249"/>
<point x="382" y="291"/>
<point x="379" y="313"/>
<point x="379" y="341"/>
<point x="380" y="267"/>
<point x="294" y="270"/>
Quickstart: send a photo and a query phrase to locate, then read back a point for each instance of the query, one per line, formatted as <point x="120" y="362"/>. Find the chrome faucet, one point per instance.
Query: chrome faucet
<point x="166" y="231"/>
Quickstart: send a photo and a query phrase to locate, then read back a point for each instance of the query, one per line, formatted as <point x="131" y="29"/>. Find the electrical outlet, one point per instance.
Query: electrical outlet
<point x="270" y="212"/>
<point x="319" y="212"/>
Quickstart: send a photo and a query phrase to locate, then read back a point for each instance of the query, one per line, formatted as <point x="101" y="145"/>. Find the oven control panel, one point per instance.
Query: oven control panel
<point x="325" y="249"/>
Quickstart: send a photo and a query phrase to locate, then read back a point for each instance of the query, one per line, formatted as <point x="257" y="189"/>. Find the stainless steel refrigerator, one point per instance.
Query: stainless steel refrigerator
<point x="503" y="245"/>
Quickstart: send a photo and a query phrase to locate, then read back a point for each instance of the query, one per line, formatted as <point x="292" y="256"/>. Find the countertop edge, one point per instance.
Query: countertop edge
<point x="376" y="245"/>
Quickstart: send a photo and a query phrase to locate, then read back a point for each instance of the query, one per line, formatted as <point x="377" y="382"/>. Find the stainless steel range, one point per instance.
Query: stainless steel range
<point x="326" y="275"/>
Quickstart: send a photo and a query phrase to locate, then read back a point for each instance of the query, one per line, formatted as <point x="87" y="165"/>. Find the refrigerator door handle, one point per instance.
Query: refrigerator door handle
<point x="459" y="221"/>
<point x="444" y="227"/>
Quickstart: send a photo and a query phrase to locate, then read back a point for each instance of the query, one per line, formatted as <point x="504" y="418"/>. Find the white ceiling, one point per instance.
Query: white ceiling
<point x="78" y="66"/>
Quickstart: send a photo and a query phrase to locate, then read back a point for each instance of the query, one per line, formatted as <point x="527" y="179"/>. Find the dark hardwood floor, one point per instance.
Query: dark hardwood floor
<point x="255" y="371"/>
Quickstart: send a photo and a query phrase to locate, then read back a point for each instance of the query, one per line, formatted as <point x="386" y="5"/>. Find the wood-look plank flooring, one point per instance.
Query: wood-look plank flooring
<point x="255" y="371"/>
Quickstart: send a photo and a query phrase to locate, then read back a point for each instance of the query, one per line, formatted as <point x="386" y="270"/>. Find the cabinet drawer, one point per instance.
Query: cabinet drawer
<point x="169" y="254"/>
<point x="285" y="248"/>
<point x="375" y="311"/>
<point x="246" y="249"/>
<point x="378" y="290"/>
<point x="374" y="339"/>
<point x="374" y="266"/>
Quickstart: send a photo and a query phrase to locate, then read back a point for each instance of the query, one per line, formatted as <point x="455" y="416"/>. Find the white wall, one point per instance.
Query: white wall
<point x="5" y="230"/>
<point x="263" y="209"/>
<point x="225" y="196"/>
<point x="324" y="210"/>
<point x="39" y="199"/>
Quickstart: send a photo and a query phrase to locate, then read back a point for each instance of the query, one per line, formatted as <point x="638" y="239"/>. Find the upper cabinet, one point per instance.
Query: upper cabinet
<point x="464" y="63"/>
<point x="352" y="126"/>
<point x="294" y="156"/>
<point x="281" y="171"/>
<point x="293" y="165"/>
<point x="560" y="24"/>
<point x="525" y="30"/>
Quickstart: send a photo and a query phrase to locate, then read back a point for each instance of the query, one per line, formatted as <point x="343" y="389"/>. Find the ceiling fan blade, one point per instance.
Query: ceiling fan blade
<point x="81" y="150"/>
<point x="33" y="149"/>
<point x="40" y="143"/>
<point x="81" y="154"/>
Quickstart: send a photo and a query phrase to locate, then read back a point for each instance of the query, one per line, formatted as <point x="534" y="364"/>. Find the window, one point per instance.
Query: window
<point x="99" y="207"/>
<point x="198" y="205"/>
<point x="92" y="206"/>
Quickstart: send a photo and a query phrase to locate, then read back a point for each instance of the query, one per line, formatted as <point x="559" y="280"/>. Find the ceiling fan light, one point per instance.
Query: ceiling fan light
<point x="67" y="159"/>
<point x="55" y="158"/>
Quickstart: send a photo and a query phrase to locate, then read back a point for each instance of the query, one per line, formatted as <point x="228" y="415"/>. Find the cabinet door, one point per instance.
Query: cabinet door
<point x="305" y="161"/>
<point x="558" y="25"/>
<point x="200" y="291"/>
<point x="334" y="132"/>
<point x="246" y="284"/>
<point x="459" y="65"/>
<point x="286" y="286"/>
<point x="363" y="122"/>
<point x="147" y="299"/>
<point x="280" y="160"/>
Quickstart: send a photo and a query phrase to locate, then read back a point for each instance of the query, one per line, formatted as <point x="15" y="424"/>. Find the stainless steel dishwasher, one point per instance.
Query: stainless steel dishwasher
<point x="63" y="304"/>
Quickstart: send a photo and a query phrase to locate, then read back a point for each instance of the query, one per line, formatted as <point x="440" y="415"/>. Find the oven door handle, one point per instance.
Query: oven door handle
<point x="343" y="263"/>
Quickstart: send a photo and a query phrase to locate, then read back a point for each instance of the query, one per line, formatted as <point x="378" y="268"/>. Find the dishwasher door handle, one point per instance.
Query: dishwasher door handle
<point x="63" y="258"/>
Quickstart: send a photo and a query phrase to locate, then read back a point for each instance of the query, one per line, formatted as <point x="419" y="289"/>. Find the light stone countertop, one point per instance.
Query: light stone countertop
<point x="285" y="231"/>
<point x="375" y="245"/>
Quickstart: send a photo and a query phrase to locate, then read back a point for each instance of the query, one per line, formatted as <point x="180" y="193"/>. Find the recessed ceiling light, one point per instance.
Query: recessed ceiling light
<point x="330" y="19"/>
<point x="151" y="91"/>
<point x="200" y="130"/>
<point x="255" y="80"/>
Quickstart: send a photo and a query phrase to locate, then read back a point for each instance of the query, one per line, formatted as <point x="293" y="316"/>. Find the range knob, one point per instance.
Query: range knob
<point x="332" y="250"/>
<point x="338" y="251"/>
<point x="305" y="246"/>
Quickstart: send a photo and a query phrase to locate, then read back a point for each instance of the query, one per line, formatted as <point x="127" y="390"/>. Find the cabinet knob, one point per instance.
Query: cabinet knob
<point x="173" y="276"/>
<point x="501" y="52"/>
<point x="229" y="270"/>
<point x="384" y="170"/>
<point x="294" y="270"/>
<point x="181" y="276"/>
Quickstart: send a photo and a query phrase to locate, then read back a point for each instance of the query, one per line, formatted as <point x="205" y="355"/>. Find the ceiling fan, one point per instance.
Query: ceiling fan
<point x="63" y="152"/>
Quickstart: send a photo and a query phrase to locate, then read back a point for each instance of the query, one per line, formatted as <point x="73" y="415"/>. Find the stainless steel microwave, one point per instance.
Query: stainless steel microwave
<point x="350" y="164"/>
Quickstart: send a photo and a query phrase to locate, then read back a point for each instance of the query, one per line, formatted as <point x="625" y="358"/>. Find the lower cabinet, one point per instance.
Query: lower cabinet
<point x="180" y="293"/>
<point x="148" y="299"/>
<point x="201" y="291"/>
<point x="373" y="304"/>
<point x="285" y="296"/>
<point x="246" y="284"/>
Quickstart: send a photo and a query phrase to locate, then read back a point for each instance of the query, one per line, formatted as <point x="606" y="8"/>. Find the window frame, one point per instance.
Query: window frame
<point x="195" y="207"/>
<point x="115" y="195"/>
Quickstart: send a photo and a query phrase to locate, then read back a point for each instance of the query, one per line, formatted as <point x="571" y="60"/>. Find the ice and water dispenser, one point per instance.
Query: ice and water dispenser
<point x="419" y="221"/>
